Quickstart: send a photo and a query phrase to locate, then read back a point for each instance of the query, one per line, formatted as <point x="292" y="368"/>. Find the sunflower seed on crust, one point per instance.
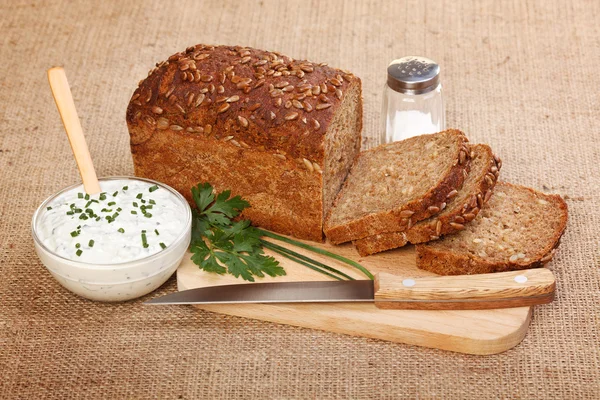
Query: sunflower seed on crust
<point x="199" y="99"/>
<point x="487" y="196"/>
<point x="162" y="123"/>
<point x="452" y="193"/>
<point x="243" y="121"/>
<point x="224" y="107"/>
<point x="254" y="107"/>
<point x="308" y="165"/>
<point x="469" y="217"/>
<point x="457" y="226"/>
<point x="406" y="213"/>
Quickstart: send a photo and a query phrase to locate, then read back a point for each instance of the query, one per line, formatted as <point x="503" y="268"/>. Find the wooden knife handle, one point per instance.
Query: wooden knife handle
<point x="465" y="292"/>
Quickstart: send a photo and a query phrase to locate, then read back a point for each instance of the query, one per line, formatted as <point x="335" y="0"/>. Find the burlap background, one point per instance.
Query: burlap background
<point x="520" y="75"/>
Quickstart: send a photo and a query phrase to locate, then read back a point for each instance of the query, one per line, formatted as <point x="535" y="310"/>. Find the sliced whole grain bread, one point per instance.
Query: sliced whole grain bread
<point x="483" y="172"/>
<point x="518" y="228"/>
<point x="392" y="186"/>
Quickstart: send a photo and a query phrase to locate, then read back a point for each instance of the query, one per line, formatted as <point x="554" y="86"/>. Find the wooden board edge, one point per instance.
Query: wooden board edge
<point x="488" y="346"/>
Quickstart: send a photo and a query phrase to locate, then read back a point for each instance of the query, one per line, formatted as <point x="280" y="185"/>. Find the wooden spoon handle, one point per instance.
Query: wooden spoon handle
<point x="465" y="292"/>
<point x="66" y="107"/>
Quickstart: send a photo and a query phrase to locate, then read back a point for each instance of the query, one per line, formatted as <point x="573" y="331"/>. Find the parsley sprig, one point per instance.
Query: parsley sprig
<point x="223" y="246"/>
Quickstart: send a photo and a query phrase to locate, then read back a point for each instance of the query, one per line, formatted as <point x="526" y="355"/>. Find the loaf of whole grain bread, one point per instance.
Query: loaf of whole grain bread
<point x="280" y="132"/>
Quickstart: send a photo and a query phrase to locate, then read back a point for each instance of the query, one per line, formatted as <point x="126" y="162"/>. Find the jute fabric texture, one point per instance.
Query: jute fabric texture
<point x="521" y="75"/>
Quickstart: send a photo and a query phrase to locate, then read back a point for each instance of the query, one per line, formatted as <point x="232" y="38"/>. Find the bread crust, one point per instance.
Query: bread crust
<point x="396" y="220"/>
<point x="438" y="225"/>
<point x="443" y="262"/>
<point x="246" y="120"/>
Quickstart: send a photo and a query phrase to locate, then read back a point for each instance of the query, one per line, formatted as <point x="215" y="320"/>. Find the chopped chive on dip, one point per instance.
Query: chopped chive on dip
<point x="86" y="222"/>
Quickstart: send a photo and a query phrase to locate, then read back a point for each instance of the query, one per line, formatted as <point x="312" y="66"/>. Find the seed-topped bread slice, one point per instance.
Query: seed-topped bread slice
<point x="392" y="186"/>
<point x="518" y="228"/>
<point x="484" y="170"/>
<point x="461" y="209"/>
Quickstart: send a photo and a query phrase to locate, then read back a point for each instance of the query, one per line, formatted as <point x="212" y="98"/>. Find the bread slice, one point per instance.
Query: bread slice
<point x="518" y="228"/>
<point x="463" y="208"/>
<point x="392" y="186"/>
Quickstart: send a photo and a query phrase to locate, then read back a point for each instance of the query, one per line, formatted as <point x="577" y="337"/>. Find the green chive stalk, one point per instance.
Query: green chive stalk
<point x="274" y="246"/>
<point x="299" y="261"/>
<point x="318" y="251"/>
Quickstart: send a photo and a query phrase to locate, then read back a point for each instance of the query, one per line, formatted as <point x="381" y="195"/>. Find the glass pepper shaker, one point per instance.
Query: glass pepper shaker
<point x="412" y="99"/>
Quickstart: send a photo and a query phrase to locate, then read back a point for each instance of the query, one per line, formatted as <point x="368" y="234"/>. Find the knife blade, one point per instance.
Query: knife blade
<point x="387" y="291"/>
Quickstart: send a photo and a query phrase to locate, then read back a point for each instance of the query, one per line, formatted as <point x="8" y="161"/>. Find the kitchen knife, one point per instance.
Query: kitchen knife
<point x="387" y="291"/>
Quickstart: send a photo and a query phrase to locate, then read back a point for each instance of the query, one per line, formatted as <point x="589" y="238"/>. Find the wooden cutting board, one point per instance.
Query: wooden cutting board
<point x="472" y="332"/>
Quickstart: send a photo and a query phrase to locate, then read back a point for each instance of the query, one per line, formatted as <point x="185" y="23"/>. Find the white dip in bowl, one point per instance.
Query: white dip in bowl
<point x="116" y="245"/>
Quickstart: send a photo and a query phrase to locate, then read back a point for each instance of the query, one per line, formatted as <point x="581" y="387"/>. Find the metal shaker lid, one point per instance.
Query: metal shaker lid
<point x="413" y="74"/>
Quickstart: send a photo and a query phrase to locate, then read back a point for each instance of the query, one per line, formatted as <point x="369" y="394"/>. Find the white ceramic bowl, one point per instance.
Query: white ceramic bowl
<point x="121" y="281"/>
